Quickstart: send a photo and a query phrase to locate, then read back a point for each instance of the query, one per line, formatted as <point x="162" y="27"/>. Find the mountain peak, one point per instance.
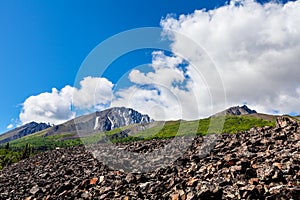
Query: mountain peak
<point x="101" y="121"/>
<point x="236" y="110"/>
<point x="117" y="117"/>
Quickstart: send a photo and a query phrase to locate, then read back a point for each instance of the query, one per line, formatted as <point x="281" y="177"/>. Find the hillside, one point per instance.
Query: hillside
<point x="154" y="130"/>
<point x="262" y="163"/>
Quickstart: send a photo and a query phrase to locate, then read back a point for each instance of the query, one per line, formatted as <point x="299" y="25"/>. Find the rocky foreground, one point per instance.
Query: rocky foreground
<point x="262" y="163"/>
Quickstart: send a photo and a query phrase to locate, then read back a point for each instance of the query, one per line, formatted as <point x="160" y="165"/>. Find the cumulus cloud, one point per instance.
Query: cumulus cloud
<point x="255" y="48"/>
<point x="55" y="106"/>
<point x="94" y="93"/>
<point x="166" y="71"/>
<point x="164" y="93"/>
<point x="10" y="126"/>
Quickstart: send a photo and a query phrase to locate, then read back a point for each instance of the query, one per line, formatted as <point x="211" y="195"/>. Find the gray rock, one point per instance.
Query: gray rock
<point x="34" y="189"/>
<point x="130" y="178"/>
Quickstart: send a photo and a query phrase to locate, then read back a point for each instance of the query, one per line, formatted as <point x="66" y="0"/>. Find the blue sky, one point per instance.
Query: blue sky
<point x="43" y="43"/>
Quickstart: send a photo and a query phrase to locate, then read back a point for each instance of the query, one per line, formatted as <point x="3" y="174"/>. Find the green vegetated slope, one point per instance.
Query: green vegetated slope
<point x="228" y="124"/>
<point x="10" y="155"/>
<point x="43" y="143"/>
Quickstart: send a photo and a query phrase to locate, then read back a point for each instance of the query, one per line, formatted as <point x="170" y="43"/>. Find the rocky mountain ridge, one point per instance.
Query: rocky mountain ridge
<point x="236" y="110"/>
<point x="22" y="131"/>
<point x="262" y="163"/>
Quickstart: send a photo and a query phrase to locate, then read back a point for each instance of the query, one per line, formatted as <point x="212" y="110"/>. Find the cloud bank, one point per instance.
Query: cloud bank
<point x="254" y="47"/>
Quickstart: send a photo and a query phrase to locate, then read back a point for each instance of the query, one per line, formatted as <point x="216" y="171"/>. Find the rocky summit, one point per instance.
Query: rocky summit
<point x="237" y="110"/>
<point x="262" y="163"/>
<point x="118" y="117"/>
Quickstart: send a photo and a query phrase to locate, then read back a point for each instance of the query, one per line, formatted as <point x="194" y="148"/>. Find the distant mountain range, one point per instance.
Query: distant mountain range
<point x="108" y="120"/>
<point x="105" y="120"/>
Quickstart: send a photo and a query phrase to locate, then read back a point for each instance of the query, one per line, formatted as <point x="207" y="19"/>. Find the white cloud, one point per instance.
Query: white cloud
<point x="93" y="92"/>
<point x="164" y="93"/>
<point x="255" y="47"/>
<point x="10" y="126"/>
<point x="55" y="107"/>
<point x="165" y="73"/>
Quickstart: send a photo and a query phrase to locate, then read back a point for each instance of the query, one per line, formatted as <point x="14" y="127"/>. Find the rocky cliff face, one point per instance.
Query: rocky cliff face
<point x="105" y="120"/>
<point x="22" y="131"/>
<point x="237" y="110"/>
<point x="117" y="117"/>
<point x="262" y="163"/>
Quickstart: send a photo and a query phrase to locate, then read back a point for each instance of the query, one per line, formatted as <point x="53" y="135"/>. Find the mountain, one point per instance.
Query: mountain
<point x="21" y="131"/>
<point x="105" y="120"/>
<point x="236" y="111"/>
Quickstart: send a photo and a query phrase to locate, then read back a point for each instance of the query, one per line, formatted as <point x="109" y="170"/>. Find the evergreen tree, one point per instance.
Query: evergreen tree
<point x="26" y="152"/>
<point x="7" y="146"/>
